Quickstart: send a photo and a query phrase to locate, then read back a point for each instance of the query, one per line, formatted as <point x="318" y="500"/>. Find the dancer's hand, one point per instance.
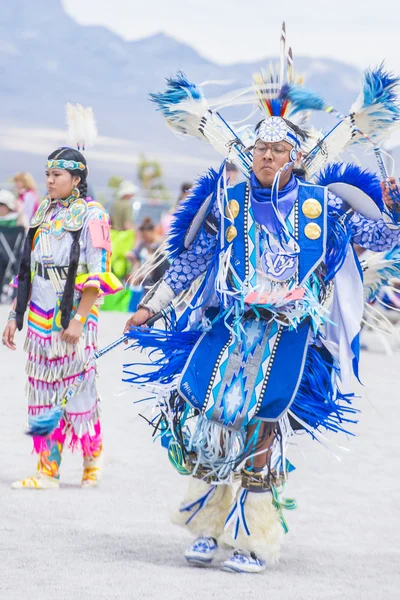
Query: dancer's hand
<point x="388" y="186"/>
<point x="8" y="334"/>
<point x="73" y="332"/>
<point x="138" y="318"/>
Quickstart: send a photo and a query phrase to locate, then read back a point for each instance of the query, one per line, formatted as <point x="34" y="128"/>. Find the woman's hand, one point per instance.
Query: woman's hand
<point x="138" y="318"/>
<point x="8" y="334"/>
<point x="388" y="186"/>
<point x="73" y="332"/>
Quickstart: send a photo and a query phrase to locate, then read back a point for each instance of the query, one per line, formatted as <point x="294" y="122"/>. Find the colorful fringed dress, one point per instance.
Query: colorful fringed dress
<point x="53" y="365"/>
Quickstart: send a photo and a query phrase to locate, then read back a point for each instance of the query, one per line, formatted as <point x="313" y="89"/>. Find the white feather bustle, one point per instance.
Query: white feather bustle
<point x="210" y="520"/>
<point x="82" y="129"/>
<point x="265" y="528"/>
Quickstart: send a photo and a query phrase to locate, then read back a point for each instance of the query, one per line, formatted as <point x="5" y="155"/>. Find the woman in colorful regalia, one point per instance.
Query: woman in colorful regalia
<point x="64" y="270"/>
<point x="258" y="351"/>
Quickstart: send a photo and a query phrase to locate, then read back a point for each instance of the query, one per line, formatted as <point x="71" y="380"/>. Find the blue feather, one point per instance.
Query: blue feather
<point x="301" y="98"/>
<point x="276" y="106"/>
<point x="184" y="216"/>
<point x="352" y="174"/>
<point x="179" y="89"/>
<point x="45" y="424"/>
<point x="379" y="87"/>
<point x="318" y="402"/>
<point x="169" y="352"/>
<point x="387" y="268"/>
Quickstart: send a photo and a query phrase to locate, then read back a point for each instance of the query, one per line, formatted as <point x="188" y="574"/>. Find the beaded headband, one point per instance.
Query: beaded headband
<point x="70" y="165"/>
<point x="275" y="129"/>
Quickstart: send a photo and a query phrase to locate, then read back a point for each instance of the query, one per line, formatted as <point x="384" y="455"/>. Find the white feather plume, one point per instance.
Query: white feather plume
<point x="329" y="147"/>
<point x="82" y="129"/>
<point x="379" y="269"/>
<point x="187" y="112"/>
<point x="376" y="110"/>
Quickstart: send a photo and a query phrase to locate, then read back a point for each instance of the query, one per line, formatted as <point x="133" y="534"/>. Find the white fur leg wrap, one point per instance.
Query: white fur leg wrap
<point x="204" y="509"/>
<point x="254" y="525"/>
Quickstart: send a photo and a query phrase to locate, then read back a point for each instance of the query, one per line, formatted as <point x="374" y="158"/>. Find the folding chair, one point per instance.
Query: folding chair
<point x="11" y="246"/>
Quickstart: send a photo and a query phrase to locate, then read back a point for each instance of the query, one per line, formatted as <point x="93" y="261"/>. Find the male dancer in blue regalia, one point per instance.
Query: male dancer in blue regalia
<point x="277" y="313"/>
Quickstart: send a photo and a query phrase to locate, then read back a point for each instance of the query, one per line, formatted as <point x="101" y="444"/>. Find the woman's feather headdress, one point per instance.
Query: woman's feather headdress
<point x="82" y="129"/>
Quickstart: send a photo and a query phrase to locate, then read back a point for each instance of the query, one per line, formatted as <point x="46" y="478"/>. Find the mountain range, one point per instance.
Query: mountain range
<point x="47" y="59"/>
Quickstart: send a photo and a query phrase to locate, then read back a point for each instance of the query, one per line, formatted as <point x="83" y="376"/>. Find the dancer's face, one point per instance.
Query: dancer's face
<point x="60" y="183"/>
<point x="268" y="158"/>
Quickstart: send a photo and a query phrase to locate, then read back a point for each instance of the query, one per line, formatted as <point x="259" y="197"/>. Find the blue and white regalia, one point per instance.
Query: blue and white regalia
<point x="267" y="340"/>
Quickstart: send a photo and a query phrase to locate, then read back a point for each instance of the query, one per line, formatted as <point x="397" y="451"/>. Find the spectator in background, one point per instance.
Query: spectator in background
<point x="27" y="195"/>
<point x="9" y="214"/>
<point x="185" y="189"/>
<point x="148" y="241"/>
<point x="167" y="218"/>
<point x="232" y="173"/>
<point x="9" y="217"/>
<point x="121" y="212"/>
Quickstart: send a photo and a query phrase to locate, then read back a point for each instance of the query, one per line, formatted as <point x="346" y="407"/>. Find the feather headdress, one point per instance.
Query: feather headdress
<point x="82" y="129"/>
<point x="187" y="112"/>
<point x="268" y="84"/>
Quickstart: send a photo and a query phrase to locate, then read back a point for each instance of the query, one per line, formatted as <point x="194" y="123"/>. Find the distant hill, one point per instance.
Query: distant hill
<point x="47" y="59"/>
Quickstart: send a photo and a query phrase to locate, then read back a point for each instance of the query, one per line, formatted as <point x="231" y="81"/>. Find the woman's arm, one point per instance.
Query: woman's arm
<point x="74" y="330"/>
<point x="11" y="328"/>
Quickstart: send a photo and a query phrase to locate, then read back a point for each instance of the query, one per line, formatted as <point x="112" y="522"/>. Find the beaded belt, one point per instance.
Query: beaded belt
<point x="43" y="271"/>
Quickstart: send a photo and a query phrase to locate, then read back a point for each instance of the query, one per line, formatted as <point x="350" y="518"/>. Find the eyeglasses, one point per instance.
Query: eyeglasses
<point x="276" y="149"/>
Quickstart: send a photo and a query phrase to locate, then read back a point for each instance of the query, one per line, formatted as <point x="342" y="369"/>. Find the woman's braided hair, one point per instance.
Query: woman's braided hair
<point x="24" y="275"/>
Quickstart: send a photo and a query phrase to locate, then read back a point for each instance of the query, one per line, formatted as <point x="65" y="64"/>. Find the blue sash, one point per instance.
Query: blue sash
<point x="245" y="244"/>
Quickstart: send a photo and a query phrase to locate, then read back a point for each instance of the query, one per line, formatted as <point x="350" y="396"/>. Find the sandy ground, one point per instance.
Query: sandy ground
<point x="116" y="542"/>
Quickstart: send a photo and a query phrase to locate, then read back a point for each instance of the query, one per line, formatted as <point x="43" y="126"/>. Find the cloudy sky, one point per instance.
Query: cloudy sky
<point x="227" y="31"/>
